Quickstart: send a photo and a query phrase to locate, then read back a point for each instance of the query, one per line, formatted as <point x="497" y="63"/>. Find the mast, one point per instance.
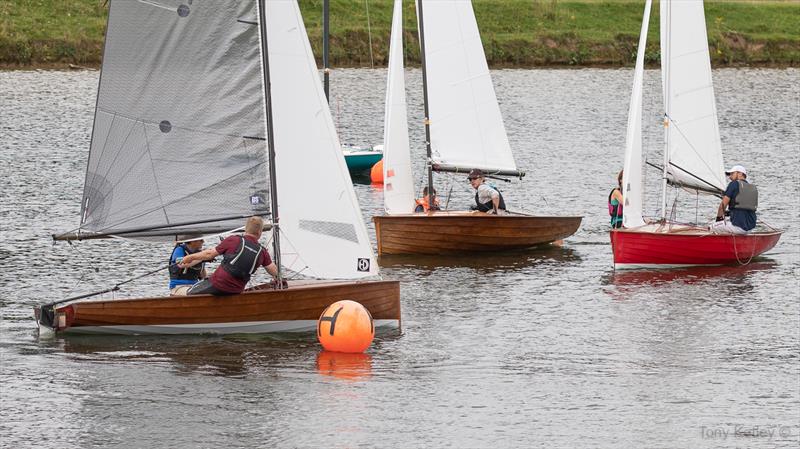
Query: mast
<point x="665" y="8"/>
<point x="273" y="184"/>
<point x="427" y="121"/>
<point x="325" y="44"/>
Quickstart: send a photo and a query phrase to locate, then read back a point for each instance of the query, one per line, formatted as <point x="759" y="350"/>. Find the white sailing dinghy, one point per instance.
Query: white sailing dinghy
<point x="692" y="153"/>
<point x="464" y="131"/>
<point x="200" y="123"/>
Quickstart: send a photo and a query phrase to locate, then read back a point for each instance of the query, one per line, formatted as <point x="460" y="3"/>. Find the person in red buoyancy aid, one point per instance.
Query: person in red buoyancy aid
<point x="615" y="200"/>
<point x="241" y="257"/>
<point x="423" y="204"/>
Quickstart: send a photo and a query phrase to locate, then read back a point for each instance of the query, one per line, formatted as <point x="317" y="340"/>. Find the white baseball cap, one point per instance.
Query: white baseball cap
<point x="738" y="168"/>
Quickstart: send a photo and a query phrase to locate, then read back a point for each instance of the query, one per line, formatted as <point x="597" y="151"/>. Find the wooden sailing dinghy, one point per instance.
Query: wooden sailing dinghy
<point x="185" y="142"/>
<point x="692" y="154"/>
<point x="464" y="130"/>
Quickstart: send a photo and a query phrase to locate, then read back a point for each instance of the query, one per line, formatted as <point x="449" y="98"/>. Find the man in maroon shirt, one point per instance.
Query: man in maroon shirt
<point x="241" y="257"/>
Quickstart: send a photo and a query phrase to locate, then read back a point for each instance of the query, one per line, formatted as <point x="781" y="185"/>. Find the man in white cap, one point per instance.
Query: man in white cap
<point x="741" y="199"/>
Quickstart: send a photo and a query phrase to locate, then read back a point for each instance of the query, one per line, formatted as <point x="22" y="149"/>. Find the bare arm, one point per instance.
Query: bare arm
<point x="272" y="269"/>
<point x="495" y="200"/>
<point x="617" y="195"/>
<point x="194" y="259"/>
<point x="722" y="206"/>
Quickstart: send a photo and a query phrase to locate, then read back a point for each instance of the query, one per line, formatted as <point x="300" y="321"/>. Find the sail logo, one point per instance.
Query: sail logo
<point x="255" y="200"/>
<point x="363" y="264"/>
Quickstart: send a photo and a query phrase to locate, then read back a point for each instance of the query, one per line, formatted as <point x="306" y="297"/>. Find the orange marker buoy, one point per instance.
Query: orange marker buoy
<point x="345" y="326"/>
<point x="376" y="172"/>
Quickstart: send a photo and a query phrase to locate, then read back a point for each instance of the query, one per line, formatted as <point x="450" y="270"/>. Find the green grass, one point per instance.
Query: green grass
<point x="515" y="32"/>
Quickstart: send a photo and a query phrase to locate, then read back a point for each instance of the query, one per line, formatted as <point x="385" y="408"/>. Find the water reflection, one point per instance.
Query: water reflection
<point x="732" y="275"/>
<point x="344" y="366"/>
<point x="550" y="255"/>
<point x="230" y="356"/>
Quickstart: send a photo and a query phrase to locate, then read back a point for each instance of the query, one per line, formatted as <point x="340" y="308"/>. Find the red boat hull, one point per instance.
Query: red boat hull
<point x="686" y="247"/>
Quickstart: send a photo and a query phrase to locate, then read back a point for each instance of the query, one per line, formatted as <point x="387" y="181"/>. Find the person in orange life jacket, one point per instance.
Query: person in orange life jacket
<point x="615" y="201"/>
<point x="487" y="198"/>
<point x="241" y="257"/>
<point x="741" y="199"/>
<point x="423" y="203"/>
<point x="181" y="278"/>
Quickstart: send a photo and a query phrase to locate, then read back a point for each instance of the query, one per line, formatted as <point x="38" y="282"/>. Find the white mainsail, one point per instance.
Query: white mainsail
<point x="694" y="151"/>
<point x="398" y="184"/>
<point x="632" y="187"/>
<point x="179" y="132"/>
<point x="322" y="231"/>
<point x="466" y="126"/>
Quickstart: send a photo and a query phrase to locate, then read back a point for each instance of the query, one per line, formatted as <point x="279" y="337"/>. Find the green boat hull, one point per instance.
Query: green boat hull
<point x="360" y="163"/>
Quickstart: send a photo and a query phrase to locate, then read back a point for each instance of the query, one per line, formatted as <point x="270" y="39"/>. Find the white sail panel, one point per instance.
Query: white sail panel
<point x="322" y="231"/>
<point x="632" y="187"/>
<point x="693" y="143"/>
<point x="466" y="127"/>
<point x="398" y="184"/>
<point x="179" y="132"/>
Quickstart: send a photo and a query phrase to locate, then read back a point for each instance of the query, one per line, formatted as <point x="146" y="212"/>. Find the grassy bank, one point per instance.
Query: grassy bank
<point x="521" y="33"/>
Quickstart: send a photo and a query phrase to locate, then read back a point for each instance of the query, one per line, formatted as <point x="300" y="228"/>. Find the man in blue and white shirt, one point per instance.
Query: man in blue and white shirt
<point x="741" y="204"/>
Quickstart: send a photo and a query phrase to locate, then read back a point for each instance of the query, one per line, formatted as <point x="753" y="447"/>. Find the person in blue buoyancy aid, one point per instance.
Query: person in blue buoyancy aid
<point x="185" y="277"/>
<point x="487" y="198"/>
<point x="615" y="201"/>
<point x="741" y="200"/>
<point x="241" y="257"/>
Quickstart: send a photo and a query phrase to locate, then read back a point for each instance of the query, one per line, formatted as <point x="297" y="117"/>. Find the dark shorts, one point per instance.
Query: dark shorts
<point x="205" y="287"/>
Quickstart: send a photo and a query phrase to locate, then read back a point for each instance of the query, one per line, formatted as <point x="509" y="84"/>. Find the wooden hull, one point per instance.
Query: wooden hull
<point x="256" y="311"/>
<point x="460" y="232"/>
<point x="686" y="246"/>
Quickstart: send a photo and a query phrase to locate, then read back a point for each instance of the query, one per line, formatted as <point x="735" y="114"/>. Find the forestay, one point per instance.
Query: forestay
<point x="466" y="127"/>
<point x="632" y="187"/>
<point x="398" y="190"/>
<point x="179" y="125"/>
<point x="693" y="144"/>
<point x="322" y="231"/>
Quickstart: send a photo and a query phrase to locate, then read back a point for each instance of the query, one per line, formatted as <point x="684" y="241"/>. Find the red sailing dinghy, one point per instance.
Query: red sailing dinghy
<point x="692" y="156"/>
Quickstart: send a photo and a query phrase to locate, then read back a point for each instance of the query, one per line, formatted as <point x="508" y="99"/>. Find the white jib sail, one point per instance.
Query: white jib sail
<point x="398" y="185"/>
<point x="694" y="149"/>
<point x="322" y="231"/>
<point x="632" y="188"/>
<point x="466" y="128"/>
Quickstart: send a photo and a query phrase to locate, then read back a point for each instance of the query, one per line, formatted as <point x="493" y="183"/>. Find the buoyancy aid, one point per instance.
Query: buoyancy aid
<point x="425" y="203"/>
<point x="184" y="274"/>
<point x="489" y="205"/>
<point x="747" y="198"/>
<point x="244" y="261"/>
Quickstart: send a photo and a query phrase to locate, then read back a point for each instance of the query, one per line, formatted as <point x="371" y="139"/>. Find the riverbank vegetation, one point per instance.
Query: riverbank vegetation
<point x="516" y="33"/>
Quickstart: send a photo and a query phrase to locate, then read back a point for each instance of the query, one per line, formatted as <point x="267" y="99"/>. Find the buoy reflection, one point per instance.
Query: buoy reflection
<point x="342" y="365"/>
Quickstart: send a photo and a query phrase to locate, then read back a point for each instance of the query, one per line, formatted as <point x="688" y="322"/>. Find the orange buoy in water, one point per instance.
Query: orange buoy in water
<point x="345" y="326"/>
<point x="376" y="172"/>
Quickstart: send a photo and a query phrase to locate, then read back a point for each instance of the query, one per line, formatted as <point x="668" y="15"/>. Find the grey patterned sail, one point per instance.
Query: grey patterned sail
<point x="179" y="133"/>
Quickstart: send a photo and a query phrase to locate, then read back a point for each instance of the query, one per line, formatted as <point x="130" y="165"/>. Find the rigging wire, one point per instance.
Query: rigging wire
<point x="369" y="34"/>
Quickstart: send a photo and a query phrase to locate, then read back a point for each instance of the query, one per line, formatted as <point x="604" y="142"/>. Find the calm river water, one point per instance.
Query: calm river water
<point x="547" y="348"/>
